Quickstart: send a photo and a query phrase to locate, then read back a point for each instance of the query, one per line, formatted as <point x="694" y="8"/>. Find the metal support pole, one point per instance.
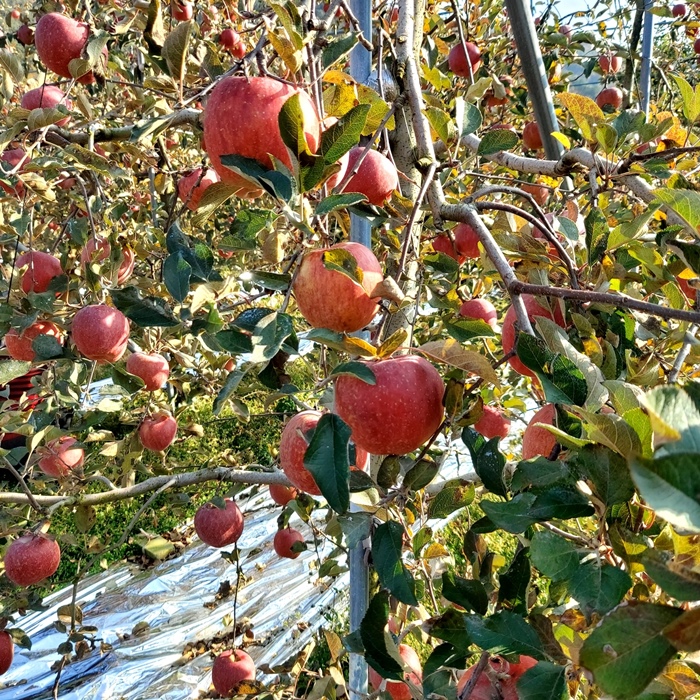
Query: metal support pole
<point x="647" y="51"/>
<point x="540" y="95"/>
<point x="360" y="232"/>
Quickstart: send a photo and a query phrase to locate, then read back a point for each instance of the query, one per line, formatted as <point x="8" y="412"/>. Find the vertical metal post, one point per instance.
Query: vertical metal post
<point x="360" y="232"/>
<point x="523" y="27"/>
<point x="647" y="51"/>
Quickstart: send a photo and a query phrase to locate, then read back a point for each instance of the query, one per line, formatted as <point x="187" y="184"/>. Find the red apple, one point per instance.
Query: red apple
<point x="25" y="35"/>
<point x="532" y="139"/>
<point x="293" y="443"/>
<point x="157" y="431"/>
<point x="465" y="245"/>
<point x="491" y="101"/>
<point x="335" y="179"/>
<point x="31" y="558"/>
<point x="19" y="345"/>
<point x="398" y="689"/>
<point x="46" y="97"/>
<point x="376" y="178"/>
<point x="492" y="424"/>
<point x="59" y="40"/>
<point x="457" y="60"/>
<point x="98" y="249"/>
<point x="480" y="309"/>
<point x="232" y="42"/>
<point x="60" y="457"/>
<point x="566" y="30"/>
<point x="16" y="158"/>
<point x="189" y="191"/>
<point x="181" y="11"/>
<point x="100" y="333"/>
<point x="330" y="299"/>
<point x="679" y="9"/>
<point x="538" y="192"/>
<point x="539" y="441"/>
<point x="7" y="652"/>
<point x="231" y="668"/>
<point x="285" y="540"/>
<point x="41" y="269"/>
<point x="282" y="494"/>
<point x="152" y="368"/>
<point x="229" y="128"/>
<point x="610" y="97"/>
<point x="686" y="288"/>
<point x="15" y="13"/>
<point x="398" y="413"/>
<point x="505" y="675"/>
<point x="609" y="63"/>
<point x="219" y="527"/>
<point x="534" y="309"/>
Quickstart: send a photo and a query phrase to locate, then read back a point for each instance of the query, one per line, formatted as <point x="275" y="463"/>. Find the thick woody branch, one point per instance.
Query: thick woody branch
<point x="62" y="137"/>
<point x="224" y="474"/>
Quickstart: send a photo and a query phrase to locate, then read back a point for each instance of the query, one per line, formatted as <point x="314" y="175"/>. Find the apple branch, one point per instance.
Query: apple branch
<point x="236" y="476"/>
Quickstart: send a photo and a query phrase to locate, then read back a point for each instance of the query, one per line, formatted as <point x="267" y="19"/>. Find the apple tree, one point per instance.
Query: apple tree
<point x="181" y="186"/>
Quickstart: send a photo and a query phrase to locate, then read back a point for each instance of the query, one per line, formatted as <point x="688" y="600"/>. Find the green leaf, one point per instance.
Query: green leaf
<point x="504" y="632"/>
<point x="599" y="587"/>
<point x="455" y="494"/>
<point x="670" y="486"/>
<point x="488" y="462"/>
<point x="439" y="685"/>
<point x="336" y="49"/>
<point x="338" y="341"/>
<point x="675" y="418"/>
<point x="344" y="134"/>
<point x="360" y="370"/>
<point x="554" y="556"/>
<point x="495" y="141"/>
<point x="443" y="655"/>
<point x="291" y="126"/>
<point x="421" y="474"/>
<point x="606" y="472"/>
<point x="472" y="119"/>
<point x="612" y="431"/>
<point x="691" y="98"/>
<point x="628" y="650"/>
<point x="144" y="312"/>
<point x="356" y="527"/>
<point x="387" y="545"/>
<point x="373" y="633"/>
<point x="597" y="233"/>
<point x="388" y="471"/>
<point x="441" y="122"/>
<point x="46" y="347"/>
<point x="176" y="275"/>
<point x="339" y="201"/>
<point x="234" y="341"/>
<point x="543" y="682"/>
<point x="126" y="381"/>
<point x="275" y="183"/>
<point x="176" y="48"/>
<point x="11" y="369"/>
<point x="326" y="458"/>
<point x="342" y="261"/>
<point x="686" y="203"/>
<point x="213" y="199"/>
<point x="514" y="584"/>
<point x="269" y="334"/>
<point x="229" y="388"/>
<point x="467" y="593"/>
<point x="245" y="228"/>
<point x="451" y="627"/>
<point x="688" y="252"/>
<point x="676" y="579"/>
<point x="512" y="516"/>
<point x="467" y="329"/>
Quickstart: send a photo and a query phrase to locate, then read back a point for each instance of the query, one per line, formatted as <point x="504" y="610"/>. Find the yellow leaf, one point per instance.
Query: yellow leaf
<point x="450" y="352"/>
<point x="584" y="111"/>
<point x="562" y="138"/>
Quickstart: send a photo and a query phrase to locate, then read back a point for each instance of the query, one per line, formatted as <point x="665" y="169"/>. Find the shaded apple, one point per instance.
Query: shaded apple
<point x="492" y="423"/>
<point x="376" y="178"/>
<point x="25" y="35"/>
<point x="19" y="345"/>
<point x="157" y="431"/>
<point x="329" y="298"/>
<point x="457" y="59"/>
<point x="231" y="668"/>
<point x="610" y="98"/>
<point x="7" y="652"/>
<point x="219" y="527"/>
<point x="532" y="139"/>
<point x="45" y="97"/>
<point x="190" y="191"/>
<point x="31" y="558"/>
<point x="463" y="244"/>
<point x="41" y="269"/>
<point x="398" y="413"/>
<point x="398" y="689"/>
<point x="230" y="130"/>
<point x="282" y="494"/>
<point x="609" y="63"/>
<point x="100" y="332"/>
<point x="539" y="441"/>
<point x="60" y="457"/>
<point x="284" y="540"/>
<point x="152" y="368"/>
<point x="480" y="309"/>
<point x="295" y="439"/>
